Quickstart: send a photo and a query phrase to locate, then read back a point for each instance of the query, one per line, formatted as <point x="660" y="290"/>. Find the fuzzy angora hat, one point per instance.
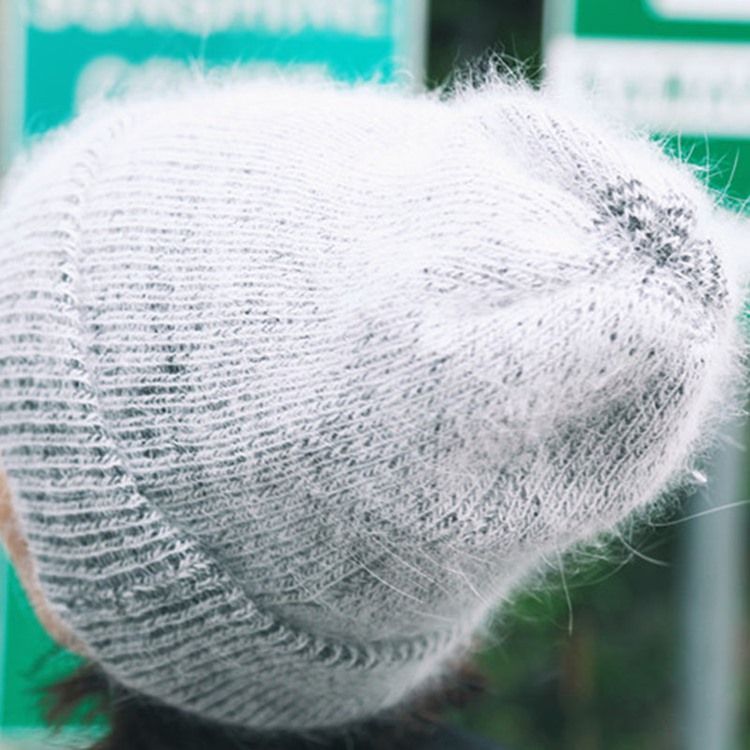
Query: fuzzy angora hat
<point x="297" y="382"/>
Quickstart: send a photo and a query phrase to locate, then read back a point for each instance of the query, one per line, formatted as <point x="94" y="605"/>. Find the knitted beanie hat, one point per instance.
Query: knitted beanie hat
<point x="297" y="382"/>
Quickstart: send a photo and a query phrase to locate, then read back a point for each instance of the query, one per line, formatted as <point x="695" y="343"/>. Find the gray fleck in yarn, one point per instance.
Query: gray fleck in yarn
<point x="297" y="382"/>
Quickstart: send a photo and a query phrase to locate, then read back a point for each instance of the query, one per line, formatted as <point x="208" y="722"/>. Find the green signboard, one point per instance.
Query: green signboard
<point x="54" y="54"/>
<point x="678" y="67"/>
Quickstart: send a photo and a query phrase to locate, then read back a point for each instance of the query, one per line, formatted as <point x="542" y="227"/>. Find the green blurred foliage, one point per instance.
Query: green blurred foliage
<point x="463" y="31"/>
<point x="591" y="669"/>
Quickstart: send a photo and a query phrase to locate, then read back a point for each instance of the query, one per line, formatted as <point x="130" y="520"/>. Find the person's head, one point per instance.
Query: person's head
<point x="299" y="382"/>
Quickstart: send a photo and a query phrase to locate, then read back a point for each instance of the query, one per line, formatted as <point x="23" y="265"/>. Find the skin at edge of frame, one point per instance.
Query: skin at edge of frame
<point x="18" y="550"/>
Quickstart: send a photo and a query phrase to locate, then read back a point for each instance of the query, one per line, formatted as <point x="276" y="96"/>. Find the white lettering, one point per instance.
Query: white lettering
<point x="110" y="76"/>
<point x="365" y="18"/>
<point x="50" y="15"/>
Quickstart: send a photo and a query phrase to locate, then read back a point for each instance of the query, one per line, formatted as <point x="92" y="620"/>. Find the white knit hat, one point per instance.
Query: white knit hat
<point x="297" y="382"/>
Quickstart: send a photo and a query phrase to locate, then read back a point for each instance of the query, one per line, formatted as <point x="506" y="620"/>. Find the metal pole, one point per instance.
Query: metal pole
<point x="12" y="56"/>
<point x="713" y="547"/>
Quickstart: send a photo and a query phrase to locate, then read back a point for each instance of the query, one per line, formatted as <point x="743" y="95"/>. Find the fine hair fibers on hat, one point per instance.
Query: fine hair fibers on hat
<point x="298" y="382"/>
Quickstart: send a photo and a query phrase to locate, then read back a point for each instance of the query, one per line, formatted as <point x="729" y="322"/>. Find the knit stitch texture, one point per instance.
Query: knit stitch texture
<point x="297" y="382"/>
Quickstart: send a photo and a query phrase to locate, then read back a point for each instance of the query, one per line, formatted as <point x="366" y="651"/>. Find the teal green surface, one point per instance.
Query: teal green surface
<point x="28" y="659"/>
<point x="636" y="19"/>
<point x="55" y="60"/>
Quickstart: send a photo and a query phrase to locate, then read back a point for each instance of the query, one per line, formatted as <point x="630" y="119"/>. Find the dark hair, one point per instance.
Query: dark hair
<point x="136" y="721"/>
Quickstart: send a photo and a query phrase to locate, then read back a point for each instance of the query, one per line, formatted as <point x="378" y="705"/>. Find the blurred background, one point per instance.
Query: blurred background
<point x="642" y="643"/>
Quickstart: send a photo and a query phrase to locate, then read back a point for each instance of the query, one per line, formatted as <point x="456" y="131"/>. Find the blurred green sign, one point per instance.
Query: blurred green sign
<point x="54" y="54"/>
<point x="64" y="51"/>
<point x="678" y="67"/>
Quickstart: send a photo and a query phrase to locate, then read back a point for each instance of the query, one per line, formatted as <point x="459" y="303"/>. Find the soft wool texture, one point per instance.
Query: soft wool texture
<point x="297" y="382"/>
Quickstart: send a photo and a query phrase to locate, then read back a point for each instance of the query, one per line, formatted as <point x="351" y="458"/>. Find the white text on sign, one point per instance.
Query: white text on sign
<point x="367" y="18"/>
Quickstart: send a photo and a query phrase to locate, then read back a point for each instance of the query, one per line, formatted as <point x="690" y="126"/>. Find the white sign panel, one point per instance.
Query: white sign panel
<point x="361" y="17"/>
<point x="705" y="10"/>
<point x="692" y="88"/>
